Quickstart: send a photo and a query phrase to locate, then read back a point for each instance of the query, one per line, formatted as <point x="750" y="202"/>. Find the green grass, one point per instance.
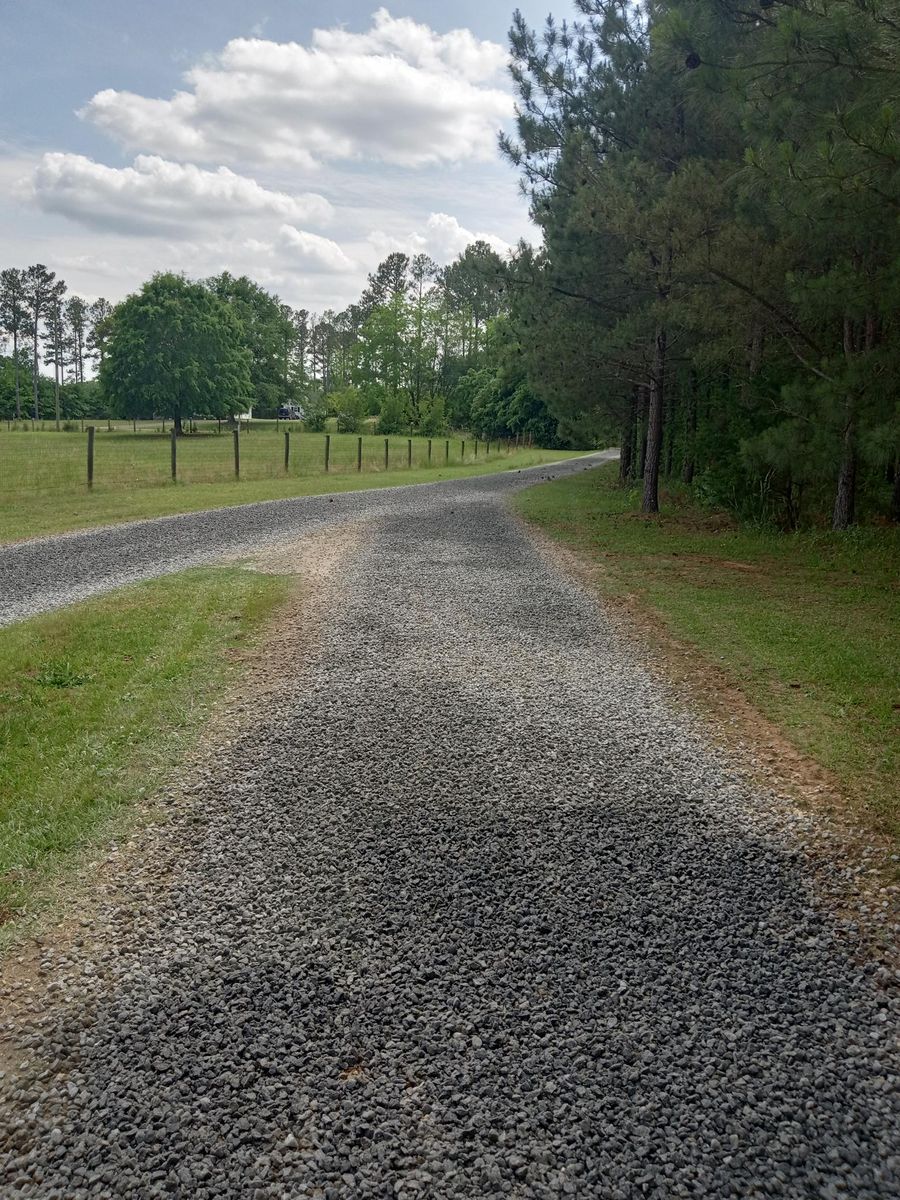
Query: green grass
<point x="805" y="623"/>
<point x="98" y="701"/>
<point x="43" y="486"/>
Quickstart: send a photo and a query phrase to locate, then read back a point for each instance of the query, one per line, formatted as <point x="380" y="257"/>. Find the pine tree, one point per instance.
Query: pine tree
<point x="13" y="319"/>
<point x="37" y="289"/>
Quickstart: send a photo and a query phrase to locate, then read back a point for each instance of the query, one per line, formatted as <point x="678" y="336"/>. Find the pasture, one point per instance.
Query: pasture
<point x="44" y="474"/>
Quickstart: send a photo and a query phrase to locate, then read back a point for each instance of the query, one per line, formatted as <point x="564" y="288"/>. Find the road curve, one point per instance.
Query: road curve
<point x="50" y="572"/>
<point x="467" y="909"/>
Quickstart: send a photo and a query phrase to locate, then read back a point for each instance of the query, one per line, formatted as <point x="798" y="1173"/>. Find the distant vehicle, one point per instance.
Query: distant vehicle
<point x="290" y="412"/>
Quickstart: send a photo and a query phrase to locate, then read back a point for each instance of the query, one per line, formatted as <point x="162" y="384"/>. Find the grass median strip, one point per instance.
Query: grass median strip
<point x="98" y="701"/>
<point x="806" y="624"/>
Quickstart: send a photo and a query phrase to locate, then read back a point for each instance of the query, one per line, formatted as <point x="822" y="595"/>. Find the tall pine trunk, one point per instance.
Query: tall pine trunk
<point x="57" y="355"/>
<point x="690" y="423"/>
<point x="650" y="500"/>
<point x="34" y="378"/>
<point x="16" y="365"/>
<point x="845" y="496"/>
<point x="629" y="437"/>
<point x="669" y="439"/>
<point x="644" y="408"/>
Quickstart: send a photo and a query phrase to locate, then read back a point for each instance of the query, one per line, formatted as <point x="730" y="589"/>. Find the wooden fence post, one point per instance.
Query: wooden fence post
<point x="174" y="456"/>
<point x="287" y="449"/>
<point x="409" y="452"/>
<point x="447" y="451"/>
<point x="359" y="454"/>
<point x="429" y="452"/>
<point x="476" y="447"/>
<point x="237" y="452"/>
<point x="385" y="453"/>
<point x="327" y="450"/>
<point x="90" y="462"/>
<point x="462" y="451"/>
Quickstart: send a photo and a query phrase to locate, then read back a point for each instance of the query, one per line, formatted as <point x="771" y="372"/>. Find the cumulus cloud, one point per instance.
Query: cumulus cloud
<point x="158" y="197"/>
<point x="443" y="238"/>
<point x="311" y="252"/>
<point x="399" y="93"/>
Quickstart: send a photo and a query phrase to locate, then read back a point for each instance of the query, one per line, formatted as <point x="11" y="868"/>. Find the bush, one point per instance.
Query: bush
<point x="315" y="412"/>
<point x="433" y="417"/>
<point x="394" y="415"/>
<point x="349" y="408"/>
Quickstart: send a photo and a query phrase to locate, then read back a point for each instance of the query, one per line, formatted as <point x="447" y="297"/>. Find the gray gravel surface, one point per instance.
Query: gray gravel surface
<point x="473" y="912"/>
<point x="47" y="573"/>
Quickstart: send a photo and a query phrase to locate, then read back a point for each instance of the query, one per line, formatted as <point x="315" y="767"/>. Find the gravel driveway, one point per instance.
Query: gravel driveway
<point x="49" y="572"/>
<point x="473" y="912"/>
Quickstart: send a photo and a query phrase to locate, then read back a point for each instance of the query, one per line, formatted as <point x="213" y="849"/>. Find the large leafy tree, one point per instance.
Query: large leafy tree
<point x="265" y="329"/>
<point x="175" y="348"/>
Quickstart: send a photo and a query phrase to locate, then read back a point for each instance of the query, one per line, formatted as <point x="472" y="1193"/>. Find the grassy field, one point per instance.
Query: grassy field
<point x="43" y="486"/>
<point x="806" y="624"/>
<point x="96" y="703"/>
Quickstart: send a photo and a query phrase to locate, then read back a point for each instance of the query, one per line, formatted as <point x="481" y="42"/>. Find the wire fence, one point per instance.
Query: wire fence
<point x="113" y="457"/>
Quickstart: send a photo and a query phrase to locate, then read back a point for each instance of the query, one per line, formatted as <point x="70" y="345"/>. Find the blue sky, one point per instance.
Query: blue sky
<point x="295" y="141"/>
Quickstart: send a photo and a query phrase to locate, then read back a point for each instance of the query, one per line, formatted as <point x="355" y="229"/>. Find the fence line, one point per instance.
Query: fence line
<point x="38" y="464"/>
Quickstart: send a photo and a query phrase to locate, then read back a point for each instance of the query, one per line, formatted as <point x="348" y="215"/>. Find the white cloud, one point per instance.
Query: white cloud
<point x="458" y="51"/>
<point x="443" y="238"/>
<point x="161" y="198"/>
<point x="311" y="252"/>
<point x="399" y="93"/>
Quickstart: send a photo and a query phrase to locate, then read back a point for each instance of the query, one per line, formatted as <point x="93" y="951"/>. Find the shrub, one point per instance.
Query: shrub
<point x="315" y="412"/>
<point x="433" y="417"/>
<point x="394" y="415"/>
<point x="349" y="408"/>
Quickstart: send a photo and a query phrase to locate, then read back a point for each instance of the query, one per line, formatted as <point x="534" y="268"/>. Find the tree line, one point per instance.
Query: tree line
<point x="717" y="185"/>
<point x="423" y="349"/>
<point x="44" y="325"/>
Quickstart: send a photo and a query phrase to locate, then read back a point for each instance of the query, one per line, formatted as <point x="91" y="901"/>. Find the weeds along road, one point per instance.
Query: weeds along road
<point x="50" y="572"/>
<point x="469" y="910"/>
